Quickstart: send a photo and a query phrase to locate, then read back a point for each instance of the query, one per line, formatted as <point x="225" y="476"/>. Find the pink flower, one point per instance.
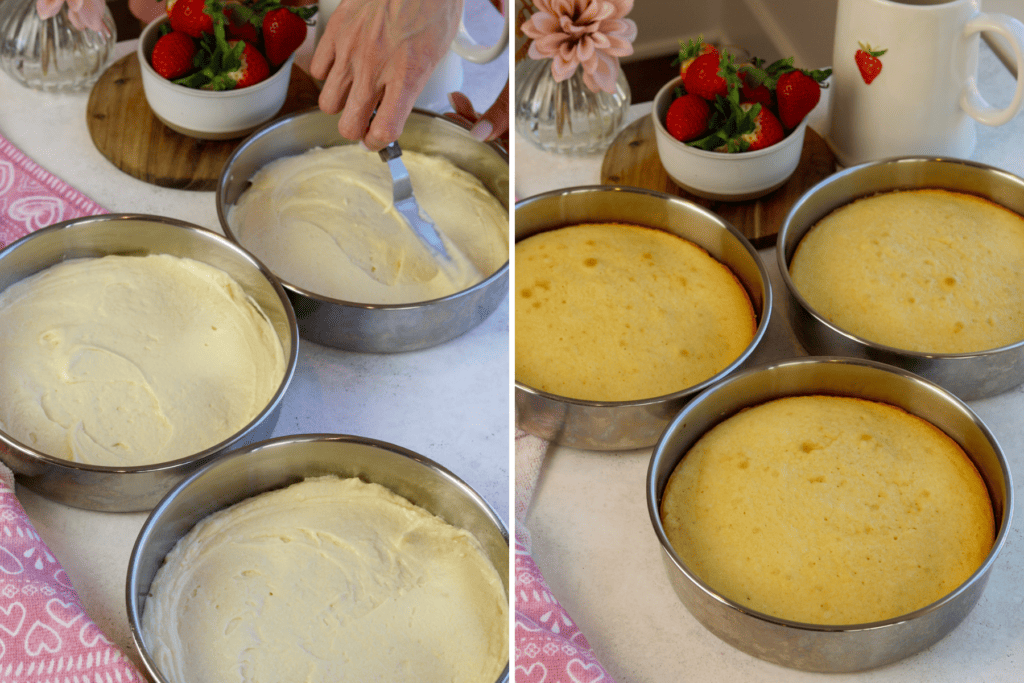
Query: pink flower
<point x="588" y="33"/>
<point x="82" y="13"/>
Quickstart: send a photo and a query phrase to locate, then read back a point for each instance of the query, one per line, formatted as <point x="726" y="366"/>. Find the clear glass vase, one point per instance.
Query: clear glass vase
<point x="566" y="117"/>
<point x="51" y="54"/>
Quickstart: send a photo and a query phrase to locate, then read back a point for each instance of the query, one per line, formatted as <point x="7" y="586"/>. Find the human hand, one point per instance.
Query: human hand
<point x="378" y="55"/>
<point x="82" y="13"/>
<point x="147" y="10"/>
<point x="491" y="125"/>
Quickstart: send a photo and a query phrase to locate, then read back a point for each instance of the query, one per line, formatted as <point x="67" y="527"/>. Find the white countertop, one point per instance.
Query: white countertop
<point x="593" y="540"/>
<point x="449" y="403"/>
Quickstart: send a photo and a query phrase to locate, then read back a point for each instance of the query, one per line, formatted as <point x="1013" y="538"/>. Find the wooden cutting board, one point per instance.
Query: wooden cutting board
<point x="632" y="159"/>
<point x="125" y="130"/>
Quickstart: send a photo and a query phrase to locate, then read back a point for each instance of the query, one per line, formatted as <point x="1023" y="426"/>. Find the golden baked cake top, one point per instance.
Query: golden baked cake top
<point x="930" y="271"/>
<point x="614" y="312"/>
<point x="829" y="510"/>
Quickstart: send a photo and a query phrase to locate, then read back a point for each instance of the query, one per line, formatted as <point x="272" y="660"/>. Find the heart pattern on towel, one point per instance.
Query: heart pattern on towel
<point x="43" y="625"/>
<point x="12" y="617"/>
<point x="42" y="638"/>
<point x="32" y="198"/>
<point x="549" y="647"/>
<point x="36" y="211"/>
<point x="64" y="613"/>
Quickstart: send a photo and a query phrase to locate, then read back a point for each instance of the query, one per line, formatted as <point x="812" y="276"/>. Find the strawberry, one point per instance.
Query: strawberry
<point x="690" y="51"/>
<point x="755" y="94"/>
<point x="254" y="67"/>
<point x="744" y="117"/>
<point x="767" y="129"/>
<point x="190" y="17"/>
<point x="868" y="62"/>
<point x="226" y="64"/>
<point x="238" y="26"/>
<point x="703" y="77"/>
<point x="173" y="54"/>
<point x="739" y="127"/>
<point x="283" y="33"/>
<point x="797" y="94"/>
<point x="687" y="117"/>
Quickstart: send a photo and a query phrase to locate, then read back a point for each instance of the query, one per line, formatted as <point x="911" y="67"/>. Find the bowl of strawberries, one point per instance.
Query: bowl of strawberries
<point x="216" y="69"/>
<point x="732" y="131"/>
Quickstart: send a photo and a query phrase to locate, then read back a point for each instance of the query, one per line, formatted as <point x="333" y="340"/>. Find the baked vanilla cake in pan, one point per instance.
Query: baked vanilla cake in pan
<point x="828" y="510"/>
<point x="929" y="270"/>
<point x="617" y="312"/>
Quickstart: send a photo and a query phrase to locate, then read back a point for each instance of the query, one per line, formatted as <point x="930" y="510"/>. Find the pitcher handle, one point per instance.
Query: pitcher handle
<point x="467" y="48"/>
<point x="971" y="100"/>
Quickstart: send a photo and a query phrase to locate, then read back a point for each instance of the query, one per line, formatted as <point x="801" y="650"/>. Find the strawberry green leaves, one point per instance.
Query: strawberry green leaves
<point x="216" y="59"/>
<point x="728" y="123"/>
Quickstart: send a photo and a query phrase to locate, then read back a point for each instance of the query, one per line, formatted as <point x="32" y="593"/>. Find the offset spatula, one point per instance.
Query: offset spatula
<point x="406" y="204"/>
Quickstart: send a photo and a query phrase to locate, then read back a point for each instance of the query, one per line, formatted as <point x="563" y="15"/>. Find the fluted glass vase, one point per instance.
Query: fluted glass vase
<point x="51" y="54"/>
<point x="567" y="117"/>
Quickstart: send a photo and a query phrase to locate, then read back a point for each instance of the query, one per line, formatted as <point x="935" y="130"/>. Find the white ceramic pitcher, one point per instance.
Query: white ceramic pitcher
<point x="904" y="78"/>
<point x="447" y="76"/>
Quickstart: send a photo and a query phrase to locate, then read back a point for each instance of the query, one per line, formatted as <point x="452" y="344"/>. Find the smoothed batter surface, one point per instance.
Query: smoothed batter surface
<point x="127" y="360"/>
<point x="328" y="580"/>
<point x="325" y="221"/>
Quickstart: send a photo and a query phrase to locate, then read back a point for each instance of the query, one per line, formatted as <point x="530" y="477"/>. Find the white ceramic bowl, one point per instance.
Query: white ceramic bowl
<point x="718" y="175"/>
<point x="207" y="114"/>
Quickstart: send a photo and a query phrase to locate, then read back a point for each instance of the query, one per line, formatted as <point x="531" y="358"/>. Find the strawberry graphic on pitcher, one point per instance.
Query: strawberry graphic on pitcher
<point x="868" y="62"/>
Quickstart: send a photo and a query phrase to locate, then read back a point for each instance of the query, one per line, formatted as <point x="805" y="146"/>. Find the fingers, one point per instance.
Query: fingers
<point x="330" y="65"/>
<point x="333" y="96"/>
<point x="379" y="54"/>
<point x="490" y="125"/>
<point x="323" y="59"/>
<point x="394" y="110"/>
<point x="462" y="106"/>
<point x="358" y="110"/>
<point x="335" y="90"/>
<point x="494" y="122"/>
<point x="356" y="93"/>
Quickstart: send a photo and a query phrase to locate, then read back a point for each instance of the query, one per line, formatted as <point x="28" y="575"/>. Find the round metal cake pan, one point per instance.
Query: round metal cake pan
<point x="628" y="425"/>
<point x="377" y="328"/>
<point x="968" y="375"/>
<point x="133" y="489"/>
<point x="282" y="461"/>
<point x="813" y="647"/>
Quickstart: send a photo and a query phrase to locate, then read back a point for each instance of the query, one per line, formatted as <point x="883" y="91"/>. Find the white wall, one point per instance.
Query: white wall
<point x="766" y="28"/>
<point x="662" y="23"/>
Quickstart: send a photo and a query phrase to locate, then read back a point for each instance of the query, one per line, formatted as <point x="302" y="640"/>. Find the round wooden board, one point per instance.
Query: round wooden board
<point x="632" y="159"/>
<point x="125" y="130"/>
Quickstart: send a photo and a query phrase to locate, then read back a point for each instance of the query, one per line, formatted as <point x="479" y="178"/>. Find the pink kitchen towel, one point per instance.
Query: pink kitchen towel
<point x="45" y="634"/>
<point x="549" y="647"/>
<point x="31" y="197"/>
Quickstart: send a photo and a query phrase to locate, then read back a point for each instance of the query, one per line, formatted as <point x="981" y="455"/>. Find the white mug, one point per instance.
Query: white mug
<point x="447" y="75"/>
<point x="924" y="99"/>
